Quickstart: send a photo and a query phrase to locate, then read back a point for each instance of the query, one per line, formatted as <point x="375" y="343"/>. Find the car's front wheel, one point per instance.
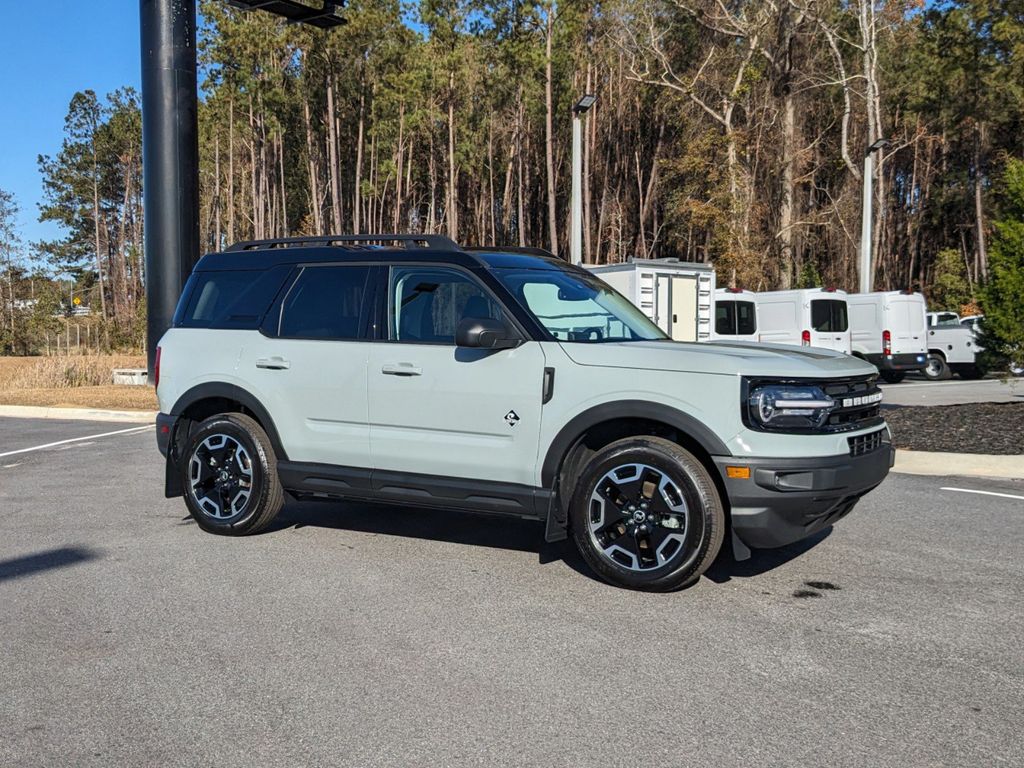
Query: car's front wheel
<point x="647" y="515"/>
<point x="229" y="473"/>
<point x="893" y="377"/>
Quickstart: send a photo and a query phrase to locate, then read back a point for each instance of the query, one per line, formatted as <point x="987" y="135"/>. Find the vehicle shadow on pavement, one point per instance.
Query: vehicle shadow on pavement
<point x="727" y="567"/>
<point x="501" y="533"/>
<point x="29" y="565"/>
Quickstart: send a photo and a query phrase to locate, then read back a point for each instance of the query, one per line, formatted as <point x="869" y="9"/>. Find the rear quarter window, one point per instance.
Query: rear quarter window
<point x="229" y="299"/>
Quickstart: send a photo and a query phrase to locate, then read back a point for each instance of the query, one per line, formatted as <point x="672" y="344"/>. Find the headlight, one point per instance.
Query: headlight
<point x="789" y="407"/>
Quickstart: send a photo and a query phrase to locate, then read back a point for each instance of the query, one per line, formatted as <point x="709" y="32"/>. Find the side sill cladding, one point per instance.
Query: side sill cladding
<point x="570" y="434"/>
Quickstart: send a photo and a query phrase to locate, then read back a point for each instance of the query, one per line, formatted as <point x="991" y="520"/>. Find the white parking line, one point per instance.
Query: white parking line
<point x="131" y="431"/>
<point x="985" y="493"/>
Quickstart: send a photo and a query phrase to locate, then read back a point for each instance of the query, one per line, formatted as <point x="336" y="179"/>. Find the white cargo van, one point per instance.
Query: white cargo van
<point x="735" y="315"/>
<point x="889" y="331"/>
<point x="811" y="317"/>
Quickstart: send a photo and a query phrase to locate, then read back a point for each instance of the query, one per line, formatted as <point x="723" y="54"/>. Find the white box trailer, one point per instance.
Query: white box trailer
<point x="677" y="295"/>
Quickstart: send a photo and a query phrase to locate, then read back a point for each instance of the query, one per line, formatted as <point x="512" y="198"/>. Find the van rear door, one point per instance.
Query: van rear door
<point x="830" y="324"/>
<point x="905" y="321"/>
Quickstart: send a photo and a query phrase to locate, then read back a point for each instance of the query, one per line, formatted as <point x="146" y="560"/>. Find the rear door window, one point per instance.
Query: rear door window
<point x="725" y="317"/>
<point x="829" y="316"/>
<point x="735" y="318"/>
<point x="326" y="303"/>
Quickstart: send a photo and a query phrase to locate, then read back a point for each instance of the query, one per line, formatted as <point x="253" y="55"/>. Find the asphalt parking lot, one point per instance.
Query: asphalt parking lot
<point x="359" y="635"/>
<point x="916" y="390"/>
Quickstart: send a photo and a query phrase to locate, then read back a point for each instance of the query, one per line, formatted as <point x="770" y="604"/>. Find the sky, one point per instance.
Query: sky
<point x="51" y="50"/>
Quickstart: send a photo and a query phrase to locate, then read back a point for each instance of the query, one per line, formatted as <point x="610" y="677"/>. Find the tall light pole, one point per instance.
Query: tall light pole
<point x="866" y="216"/>
<point x="576" y="212"/>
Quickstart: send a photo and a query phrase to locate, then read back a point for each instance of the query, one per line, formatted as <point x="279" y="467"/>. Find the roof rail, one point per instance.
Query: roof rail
<point x="409" y="241"/>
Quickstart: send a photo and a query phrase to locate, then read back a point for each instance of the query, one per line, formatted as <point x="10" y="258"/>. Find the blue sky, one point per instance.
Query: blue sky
<point x="50" y="51"/>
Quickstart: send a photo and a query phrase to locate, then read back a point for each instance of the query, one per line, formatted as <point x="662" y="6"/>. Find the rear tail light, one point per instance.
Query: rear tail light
<point x="156" y="368"/>
<point x="886" y="343"/>
<point x="805" y="337"/>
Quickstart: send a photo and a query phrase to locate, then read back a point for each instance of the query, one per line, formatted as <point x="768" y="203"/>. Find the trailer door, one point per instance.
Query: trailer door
<point x="682" y="306"/>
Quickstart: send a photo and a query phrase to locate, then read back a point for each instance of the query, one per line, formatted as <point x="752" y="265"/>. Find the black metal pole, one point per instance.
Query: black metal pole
<point x="170" y="157"/>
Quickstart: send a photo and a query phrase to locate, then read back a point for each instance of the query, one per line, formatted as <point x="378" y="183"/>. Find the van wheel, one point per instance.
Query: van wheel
<point x="647" y="515"/>
<point x="970" y="372"/>
<point x="229" y="474"/>
<point x="936" y="368"/>
<point x="893" y="377"/>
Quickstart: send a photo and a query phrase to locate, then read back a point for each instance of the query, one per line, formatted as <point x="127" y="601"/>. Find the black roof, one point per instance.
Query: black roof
<point x="265" y="254"/>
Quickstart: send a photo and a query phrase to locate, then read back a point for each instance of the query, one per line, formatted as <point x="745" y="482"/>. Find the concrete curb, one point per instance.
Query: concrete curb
<point x="77" y="414"/>
<point x="940" y="464"/>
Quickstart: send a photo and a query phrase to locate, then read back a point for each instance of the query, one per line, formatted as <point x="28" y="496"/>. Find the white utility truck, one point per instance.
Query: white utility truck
<point x="676" y="295"/>
<point x="952" y="348"/>
<point x="809" y="317"/>
<point x="735" y="315"/>
<point x="888" y="330"/>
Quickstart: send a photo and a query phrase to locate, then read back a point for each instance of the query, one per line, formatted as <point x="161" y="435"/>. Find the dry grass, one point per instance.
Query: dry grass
<point x="62" y="372"/>
<point x="106" y="398"/>
<point x="81" y="382"/>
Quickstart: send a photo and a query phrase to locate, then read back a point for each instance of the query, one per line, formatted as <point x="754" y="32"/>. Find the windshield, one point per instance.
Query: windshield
<point x="578" y="307"/>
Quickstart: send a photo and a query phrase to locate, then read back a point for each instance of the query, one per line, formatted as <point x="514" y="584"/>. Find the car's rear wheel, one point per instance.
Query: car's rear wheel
<point x="229" y="473"/>
<point x="936" y="368"/>
<point x="893" y="377"/>
<point x="647" y="515"/>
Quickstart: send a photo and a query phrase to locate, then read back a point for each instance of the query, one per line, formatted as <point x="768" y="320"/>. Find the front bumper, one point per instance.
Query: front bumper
<point x="785" y="500"/>
<point x="164" y="430"/>
<point x="913" y="361"/>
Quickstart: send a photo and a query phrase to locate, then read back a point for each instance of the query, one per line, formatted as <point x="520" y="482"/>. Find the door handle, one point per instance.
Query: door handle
<point x="401" y="369"/>
<point x="273" y="363"/>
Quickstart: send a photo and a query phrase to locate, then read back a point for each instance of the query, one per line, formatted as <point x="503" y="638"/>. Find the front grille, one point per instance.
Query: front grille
<point x="859" y="404"/>
<point x="862" y="444"/>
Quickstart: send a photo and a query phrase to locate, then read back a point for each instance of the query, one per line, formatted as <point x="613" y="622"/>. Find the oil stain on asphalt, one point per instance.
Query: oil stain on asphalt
<point x="824" y="586"/>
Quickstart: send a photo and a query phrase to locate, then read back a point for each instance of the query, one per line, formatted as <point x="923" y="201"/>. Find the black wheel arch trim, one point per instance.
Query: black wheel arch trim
<point x="244" y="398"/>
<point x="568" y="436"/>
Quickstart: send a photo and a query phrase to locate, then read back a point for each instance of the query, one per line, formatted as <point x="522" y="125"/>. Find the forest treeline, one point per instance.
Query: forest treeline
<point x="730" y="133"/>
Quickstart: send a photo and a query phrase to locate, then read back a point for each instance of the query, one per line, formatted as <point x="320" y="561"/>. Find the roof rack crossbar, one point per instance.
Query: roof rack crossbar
<point x="409" y="241"/>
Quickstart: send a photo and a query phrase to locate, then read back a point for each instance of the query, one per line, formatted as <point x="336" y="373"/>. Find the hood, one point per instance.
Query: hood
<point x="727" y="358"/>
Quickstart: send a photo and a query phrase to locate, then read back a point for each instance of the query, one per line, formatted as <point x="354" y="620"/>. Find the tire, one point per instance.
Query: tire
<point x="638" y="497"/>
<point x="936" y="369"/>
<point x="243" y="495"/>
<point x="893" y="377"/>
<point x="970" y="372"/>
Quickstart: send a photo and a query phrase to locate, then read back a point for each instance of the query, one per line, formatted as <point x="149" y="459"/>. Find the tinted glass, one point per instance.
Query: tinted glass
<point x="217" y="295"/>
<point x="725" y="317"/>
<point x="429" y="303"/>
<point x="829" y="316"/>
<point x="575" y="306"/>
<point x="746" y="318"/>
<point x="325" y="303"/>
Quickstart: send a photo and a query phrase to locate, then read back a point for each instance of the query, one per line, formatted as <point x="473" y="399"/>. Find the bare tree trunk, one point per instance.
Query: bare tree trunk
<point x="786" y="205"/>
<point x="549" y="154"/>
<point x="979" y="212"/>
<point x="453" y="192"/>
<point x="357" y="197"/>
<point x="334" y="173"/>
<point x="231" y="169"/>
<point x="314" y="183"/>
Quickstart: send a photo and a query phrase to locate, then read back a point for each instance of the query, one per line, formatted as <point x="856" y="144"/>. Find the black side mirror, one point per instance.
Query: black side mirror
<point x="485" y="333"/>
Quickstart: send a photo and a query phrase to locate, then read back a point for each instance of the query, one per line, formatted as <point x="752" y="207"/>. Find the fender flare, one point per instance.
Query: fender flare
<point x="625" y="409"/>
<point x="239" y="395"/>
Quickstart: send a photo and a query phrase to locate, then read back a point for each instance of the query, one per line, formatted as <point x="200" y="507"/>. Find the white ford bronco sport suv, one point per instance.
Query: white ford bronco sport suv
<point x="405" y="369"/>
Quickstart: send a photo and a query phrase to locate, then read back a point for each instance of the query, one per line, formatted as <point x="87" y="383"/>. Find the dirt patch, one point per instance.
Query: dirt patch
<point x="107" y="397"/>
<point x="994" y="428"/>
